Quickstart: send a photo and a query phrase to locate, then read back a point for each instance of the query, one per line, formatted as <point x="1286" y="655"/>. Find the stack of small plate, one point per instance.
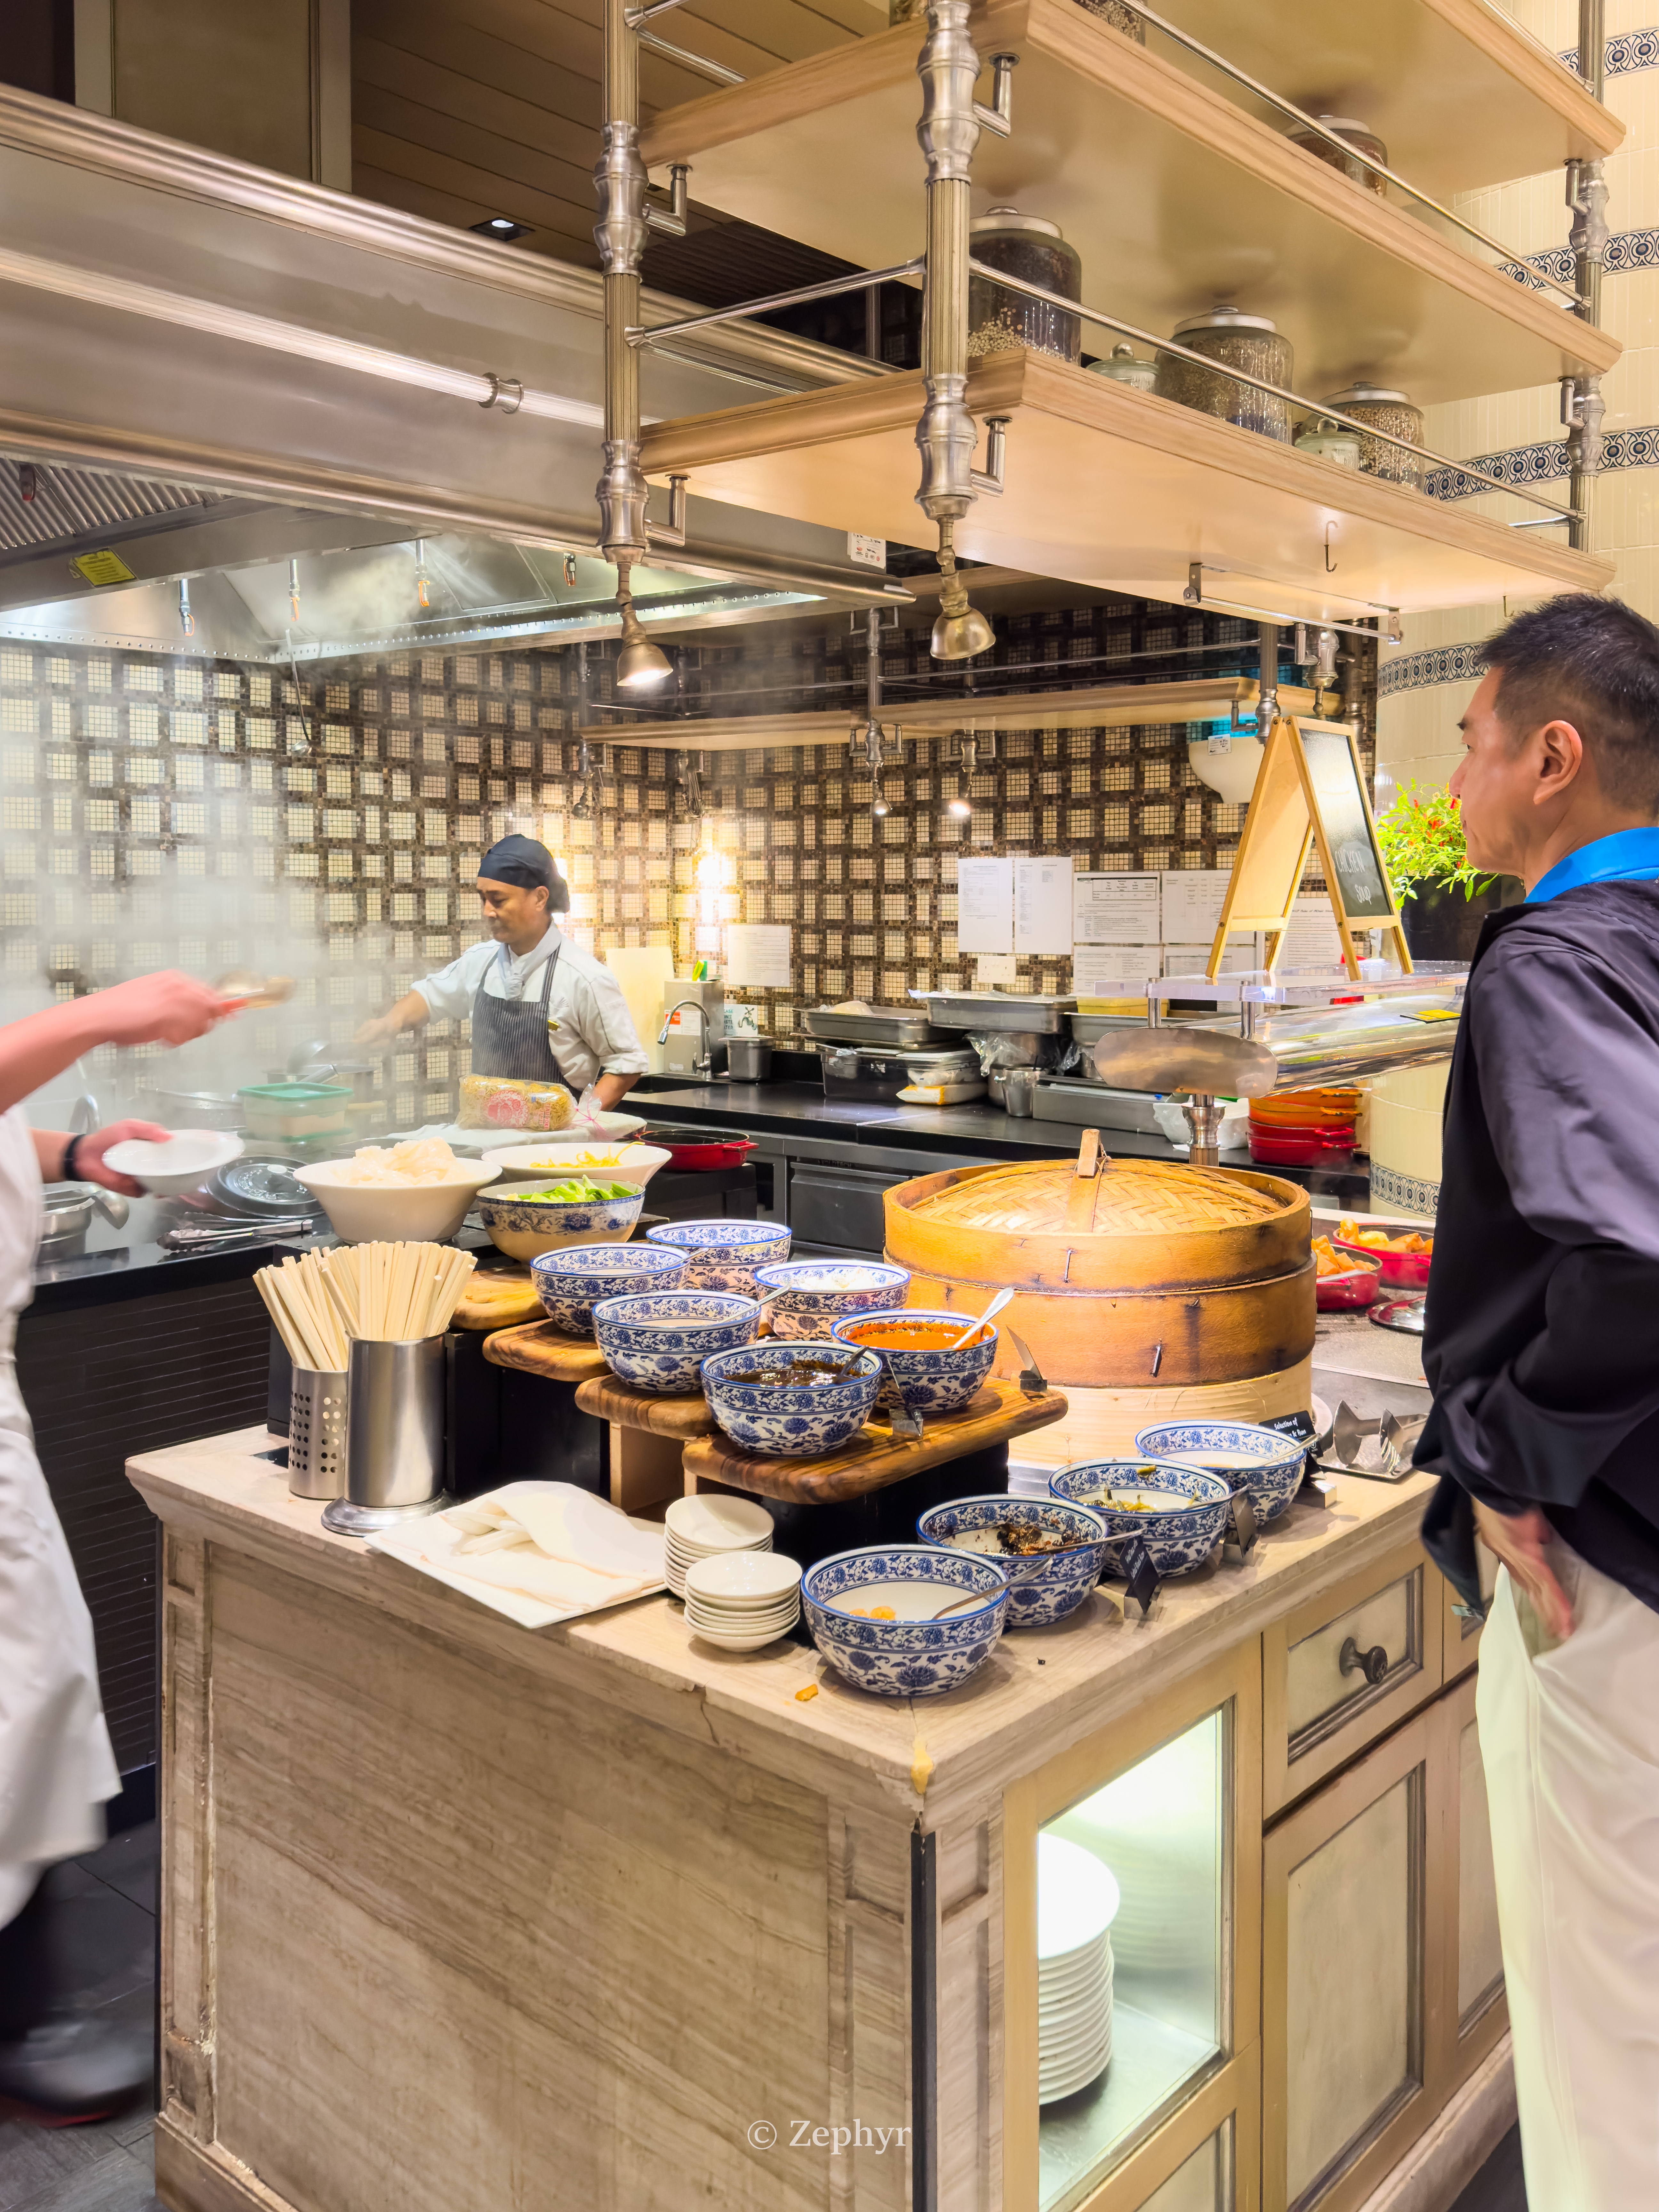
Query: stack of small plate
<point x="742" y="1601"/>
<point x="1077" y="1898"/>
<point x="701" y="1527"/>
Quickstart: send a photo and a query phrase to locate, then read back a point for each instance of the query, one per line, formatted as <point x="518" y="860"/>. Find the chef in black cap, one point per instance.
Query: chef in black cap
<point x="542" y="1010"/>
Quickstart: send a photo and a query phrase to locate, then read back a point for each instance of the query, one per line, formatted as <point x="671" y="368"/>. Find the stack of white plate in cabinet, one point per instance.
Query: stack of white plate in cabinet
<point x="743" y="1599"/>
<point x="1077" y="1898"/>
<point x="701" y="1527"/>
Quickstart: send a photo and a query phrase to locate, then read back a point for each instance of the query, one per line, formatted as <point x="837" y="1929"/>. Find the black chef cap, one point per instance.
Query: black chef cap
<point x="521" y="860"/>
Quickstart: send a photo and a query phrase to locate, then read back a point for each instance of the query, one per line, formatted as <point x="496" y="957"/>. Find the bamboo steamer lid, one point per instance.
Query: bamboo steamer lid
<point x="1147" y="1273"/>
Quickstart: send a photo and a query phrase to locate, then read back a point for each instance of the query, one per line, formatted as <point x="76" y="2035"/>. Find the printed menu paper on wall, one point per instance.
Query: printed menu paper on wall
<point x="1116" y="909"/>
<point x="757" y="956"/>
<point x="985" y="906"/>
<point x="1043" y="905"/>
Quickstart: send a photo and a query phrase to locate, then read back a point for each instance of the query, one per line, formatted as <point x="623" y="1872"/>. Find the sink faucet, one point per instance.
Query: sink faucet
<point x="704" y="1063"/>
<point x="84" y="1115"/>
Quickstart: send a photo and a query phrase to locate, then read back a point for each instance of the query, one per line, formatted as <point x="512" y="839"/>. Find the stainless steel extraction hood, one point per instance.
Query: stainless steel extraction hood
<point x="298" y="405"/>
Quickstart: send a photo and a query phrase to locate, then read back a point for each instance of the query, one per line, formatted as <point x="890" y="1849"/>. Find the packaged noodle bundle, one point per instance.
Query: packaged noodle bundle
<point x="498" y="1102"/>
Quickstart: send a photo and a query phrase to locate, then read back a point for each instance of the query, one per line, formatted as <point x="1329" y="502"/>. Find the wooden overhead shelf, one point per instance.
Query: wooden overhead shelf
<point x="1175" y="197"/>
<point x="1111" y="486"/>
<point x="1085" y="707"/>
<point x="1459" y="92"/>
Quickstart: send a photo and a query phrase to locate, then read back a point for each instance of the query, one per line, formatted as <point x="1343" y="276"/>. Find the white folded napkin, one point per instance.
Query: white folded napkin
<point x="548" y="1541"/>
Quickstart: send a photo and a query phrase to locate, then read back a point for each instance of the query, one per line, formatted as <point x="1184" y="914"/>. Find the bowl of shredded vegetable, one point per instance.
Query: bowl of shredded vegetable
<point x="414" y="1193"/>
<point x="579" y="1209"/>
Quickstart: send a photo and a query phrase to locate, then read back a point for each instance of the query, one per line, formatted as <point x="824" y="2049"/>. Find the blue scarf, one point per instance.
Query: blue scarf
<point x="1627" y="856"/>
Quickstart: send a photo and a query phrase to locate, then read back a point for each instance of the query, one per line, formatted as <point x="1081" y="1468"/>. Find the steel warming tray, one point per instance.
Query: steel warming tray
<point x="891" y="1028"/>
<point x="999" y="1010"/>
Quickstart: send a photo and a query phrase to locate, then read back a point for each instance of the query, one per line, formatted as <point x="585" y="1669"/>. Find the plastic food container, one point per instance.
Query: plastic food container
<point x="295" y="1110"/>
<point x="499" y="1101"/>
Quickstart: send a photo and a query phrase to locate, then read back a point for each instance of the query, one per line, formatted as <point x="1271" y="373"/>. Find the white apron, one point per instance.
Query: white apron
<point x="55" y="1764"/>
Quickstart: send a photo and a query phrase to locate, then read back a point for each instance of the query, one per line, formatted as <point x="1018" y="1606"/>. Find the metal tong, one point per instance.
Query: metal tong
<point x="1382" y="1449"/>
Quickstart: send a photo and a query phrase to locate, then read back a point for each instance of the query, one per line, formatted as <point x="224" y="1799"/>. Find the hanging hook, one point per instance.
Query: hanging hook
<point x="1330" y="565"/>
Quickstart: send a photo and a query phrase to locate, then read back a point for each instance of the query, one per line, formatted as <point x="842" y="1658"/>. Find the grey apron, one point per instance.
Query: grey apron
<point x="509" y="1035"/>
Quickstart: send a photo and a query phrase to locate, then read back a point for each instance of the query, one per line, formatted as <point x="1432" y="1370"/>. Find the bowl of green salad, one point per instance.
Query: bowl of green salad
<point x="580" y="1209"/>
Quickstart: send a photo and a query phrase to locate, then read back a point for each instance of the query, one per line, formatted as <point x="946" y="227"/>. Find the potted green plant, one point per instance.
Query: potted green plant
<point x="1443" y="898"/>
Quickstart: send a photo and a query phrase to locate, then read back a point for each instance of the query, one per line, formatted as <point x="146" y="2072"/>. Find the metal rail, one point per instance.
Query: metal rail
<point x="1204" y="361"/>
<point x="800" y="296"/>
<point x="700" y="63"/>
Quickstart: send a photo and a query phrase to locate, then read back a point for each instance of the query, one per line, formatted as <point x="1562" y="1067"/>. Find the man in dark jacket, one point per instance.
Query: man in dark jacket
<point x="1542" y="1350"/>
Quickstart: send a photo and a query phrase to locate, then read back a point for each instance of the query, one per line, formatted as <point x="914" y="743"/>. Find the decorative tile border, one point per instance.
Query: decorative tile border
<point x="1546" y="462"/>
<point x="1629" y="52"/>
<point x="1415" y="671"/>
<point x="1627" y="250"/>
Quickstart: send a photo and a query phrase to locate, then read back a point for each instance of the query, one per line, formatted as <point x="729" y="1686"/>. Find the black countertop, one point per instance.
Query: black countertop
<point x="981" y="1132"/>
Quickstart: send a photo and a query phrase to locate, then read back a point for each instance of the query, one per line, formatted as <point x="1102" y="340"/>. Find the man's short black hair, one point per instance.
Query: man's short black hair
<point x="1593" y="663"/>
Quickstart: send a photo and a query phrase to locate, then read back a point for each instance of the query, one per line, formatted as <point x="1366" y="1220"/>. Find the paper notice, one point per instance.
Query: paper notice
<point x="1121" y="909"/>
<point x="985" y="906"/>
<point x="1115" y="971"/>
<point x="997" y="971"/>
<point x="757" y="956"/>
<point x="1043" y="905"/>
<point x="1192" y="899"/>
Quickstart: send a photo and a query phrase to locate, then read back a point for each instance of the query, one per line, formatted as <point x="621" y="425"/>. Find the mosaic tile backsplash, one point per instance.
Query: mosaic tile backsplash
<point x="168" y="812"/>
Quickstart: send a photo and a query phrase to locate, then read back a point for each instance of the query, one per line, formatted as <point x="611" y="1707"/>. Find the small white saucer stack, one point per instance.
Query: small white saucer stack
<point x="1077" y="1901"/>
<point x="744" y="1600"/>
<point x="703" y="1528"/>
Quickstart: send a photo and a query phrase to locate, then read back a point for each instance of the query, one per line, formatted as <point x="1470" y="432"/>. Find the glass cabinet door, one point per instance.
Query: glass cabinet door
<point x="1130" y="1932"/>
<point x="1131" y="1950"/>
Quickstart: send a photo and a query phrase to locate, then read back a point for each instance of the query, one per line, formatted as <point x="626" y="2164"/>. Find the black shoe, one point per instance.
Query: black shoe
<point x="68" y="2072"/>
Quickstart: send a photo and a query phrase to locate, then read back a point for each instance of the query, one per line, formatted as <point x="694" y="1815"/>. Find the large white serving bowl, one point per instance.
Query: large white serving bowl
<point x="526" y="1166"/>
<point x="392" y="1213"/>
<point x="184" y="1163"/>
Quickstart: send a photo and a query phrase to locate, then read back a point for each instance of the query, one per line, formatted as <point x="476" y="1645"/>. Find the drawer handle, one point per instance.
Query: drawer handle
<point x="1372" y="1664"/>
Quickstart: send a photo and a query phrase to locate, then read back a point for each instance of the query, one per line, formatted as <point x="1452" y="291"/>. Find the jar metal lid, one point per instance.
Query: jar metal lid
<point x="1010" y="219"/>
<point x="1224" y="319"/>
<point x="1366" y="395"/>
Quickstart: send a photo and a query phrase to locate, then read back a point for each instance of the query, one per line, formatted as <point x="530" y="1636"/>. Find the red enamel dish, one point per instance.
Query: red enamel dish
<point x="710" y="1148"/>
<point x="1348" y="1292"/>
<point x="1402" y="1271"/>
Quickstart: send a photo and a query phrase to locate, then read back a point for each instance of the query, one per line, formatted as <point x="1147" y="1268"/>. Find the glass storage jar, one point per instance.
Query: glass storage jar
<point x="1250" y="343"/>
<point x="1124" y="366"/>
<point x="1391" y="411"/>
<point x="1356" y="136"/>
<point x="1027" y="246"/>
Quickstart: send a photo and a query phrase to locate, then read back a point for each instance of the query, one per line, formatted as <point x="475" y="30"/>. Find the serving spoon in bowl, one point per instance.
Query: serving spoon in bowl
<point x="989" y="1314"/>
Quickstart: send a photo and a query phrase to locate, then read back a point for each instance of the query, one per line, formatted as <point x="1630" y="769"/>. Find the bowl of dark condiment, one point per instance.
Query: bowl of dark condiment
<point x="789" y="1397"/>
<point x="1051" y="1550"/>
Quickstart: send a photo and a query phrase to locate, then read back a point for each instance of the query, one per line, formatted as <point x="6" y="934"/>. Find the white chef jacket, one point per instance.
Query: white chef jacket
<point x="595" y="1035"/>
<point x="56" y="1766"/>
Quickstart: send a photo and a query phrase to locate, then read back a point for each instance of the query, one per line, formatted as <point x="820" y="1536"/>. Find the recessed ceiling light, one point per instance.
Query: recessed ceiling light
<point x="502" y="226"/>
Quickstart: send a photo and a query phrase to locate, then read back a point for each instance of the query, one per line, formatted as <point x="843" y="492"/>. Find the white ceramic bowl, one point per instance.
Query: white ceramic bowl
<point x="184" y="1163"/>
<point x="525" y="1166"/>
<point x="743" y="1582"/>
<point x="416" y="1213"/>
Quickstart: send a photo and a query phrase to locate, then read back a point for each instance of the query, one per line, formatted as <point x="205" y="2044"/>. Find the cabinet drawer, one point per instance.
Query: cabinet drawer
<point x="1345" y="1668"/>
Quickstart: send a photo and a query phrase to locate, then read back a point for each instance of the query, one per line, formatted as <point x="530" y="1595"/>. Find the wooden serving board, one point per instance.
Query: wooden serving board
<point x="497" y="1297"/>
<point x="541" y="1349"/>
<point x="872" y="1459"/>
<point x="610" y="1399"/>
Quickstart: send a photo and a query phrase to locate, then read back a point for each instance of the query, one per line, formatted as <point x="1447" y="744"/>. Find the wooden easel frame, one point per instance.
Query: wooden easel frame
<point x="1282" y="825"/>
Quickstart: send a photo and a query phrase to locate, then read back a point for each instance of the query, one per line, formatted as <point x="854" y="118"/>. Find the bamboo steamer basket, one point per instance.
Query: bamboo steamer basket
<point x="1149" y="1277"/>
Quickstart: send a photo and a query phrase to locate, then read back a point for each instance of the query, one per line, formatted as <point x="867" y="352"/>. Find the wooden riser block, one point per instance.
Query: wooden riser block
<point x="497" y="1297"/>
<point x="873" y="1459"/>
<point x="541" y="1349"/>
<point x="608" y="1398"/>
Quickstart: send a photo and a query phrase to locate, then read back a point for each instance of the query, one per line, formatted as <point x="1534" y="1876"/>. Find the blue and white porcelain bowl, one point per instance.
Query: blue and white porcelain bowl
<point x="572" y="1282"/>
<point x="723" y="1255"/>
<point x="1263" y="1460"/>
<point x="1178" y="1512"/>
<point x="1042" y="1587"/>
<point x="523" y="1227"/>
<point x="658" y="1339"/>
<point x="817" y="1293"/>
<point x="792" y="1421"/>
<point x="939" y="1381"/>
<point x="911" y="1655"/>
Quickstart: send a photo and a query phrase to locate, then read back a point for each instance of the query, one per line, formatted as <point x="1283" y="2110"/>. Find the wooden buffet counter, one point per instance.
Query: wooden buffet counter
<point x="459" y="1917"/>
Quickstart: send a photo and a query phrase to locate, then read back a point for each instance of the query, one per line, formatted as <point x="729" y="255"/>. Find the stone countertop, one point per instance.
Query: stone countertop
<point x="1040" y="1690"/>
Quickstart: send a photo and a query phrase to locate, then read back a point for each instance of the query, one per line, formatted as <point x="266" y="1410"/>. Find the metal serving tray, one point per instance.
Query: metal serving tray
<point x="890" y="1028"/>
<point x="998" y="1010"/>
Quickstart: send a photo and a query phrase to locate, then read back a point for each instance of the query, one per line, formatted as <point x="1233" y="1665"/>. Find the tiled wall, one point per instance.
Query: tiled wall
<point x="168" y="812"/>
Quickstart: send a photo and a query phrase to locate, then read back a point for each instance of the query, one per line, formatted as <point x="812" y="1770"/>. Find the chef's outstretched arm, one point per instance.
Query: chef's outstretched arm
<point x="410" y="1011"/>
